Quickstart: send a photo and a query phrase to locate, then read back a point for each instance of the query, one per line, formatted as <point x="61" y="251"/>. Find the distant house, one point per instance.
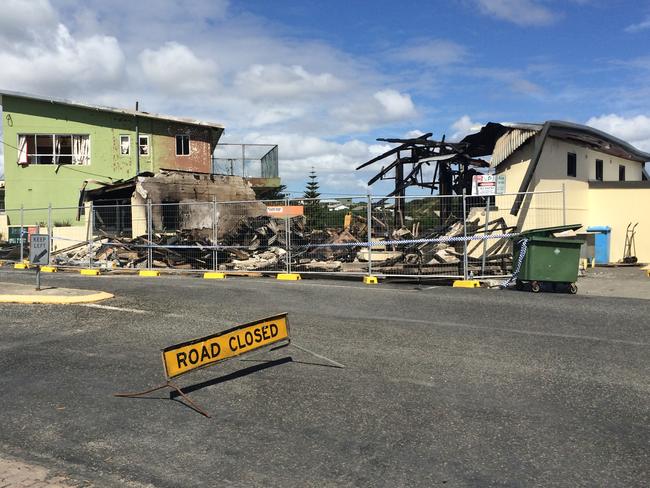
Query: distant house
<point x="604" y="178"/>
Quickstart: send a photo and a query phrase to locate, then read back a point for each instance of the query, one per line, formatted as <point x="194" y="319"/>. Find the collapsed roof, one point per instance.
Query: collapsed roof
<point x="502" y="139"/>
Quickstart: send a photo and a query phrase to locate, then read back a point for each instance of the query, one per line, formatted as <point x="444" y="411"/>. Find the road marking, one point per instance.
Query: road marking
<point x="118" y="309"/>
<point x="512" y="331"/>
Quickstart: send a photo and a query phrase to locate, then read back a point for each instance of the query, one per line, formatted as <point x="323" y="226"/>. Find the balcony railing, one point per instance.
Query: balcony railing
<point x="246" y="160"/>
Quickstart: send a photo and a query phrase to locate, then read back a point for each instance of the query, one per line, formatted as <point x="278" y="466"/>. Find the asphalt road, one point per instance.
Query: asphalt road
<point x="442" y="387"/>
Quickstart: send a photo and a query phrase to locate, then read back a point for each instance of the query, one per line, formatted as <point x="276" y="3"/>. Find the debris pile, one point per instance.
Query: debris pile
<point x="260" y="244"/>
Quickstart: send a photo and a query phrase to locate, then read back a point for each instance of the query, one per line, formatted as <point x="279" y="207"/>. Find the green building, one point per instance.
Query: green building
<point x="55" y="148"/>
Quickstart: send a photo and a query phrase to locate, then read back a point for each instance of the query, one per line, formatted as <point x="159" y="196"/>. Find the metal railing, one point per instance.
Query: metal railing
<point x="460" y="236"/>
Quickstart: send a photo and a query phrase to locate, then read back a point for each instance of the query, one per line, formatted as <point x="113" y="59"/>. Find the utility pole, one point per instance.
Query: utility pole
<point x="137" y="141"/>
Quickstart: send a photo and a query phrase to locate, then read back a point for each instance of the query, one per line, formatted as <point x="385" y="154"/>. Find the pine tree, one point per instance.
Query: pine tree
<point x="314" y="211"/>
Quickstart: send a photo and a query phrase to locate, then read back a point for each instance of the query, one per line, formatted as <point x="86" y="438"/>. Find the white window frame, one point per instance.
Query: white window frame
<point x="128" y="148"/>
<point x="189" y="145"/>
<point x="54" y="154"/>
<point x="148" y="145"/>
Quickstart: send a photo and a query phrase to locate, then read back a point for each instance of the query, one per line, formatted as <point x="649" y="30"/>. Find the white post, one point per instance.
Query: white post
<point x="465" y="261"/>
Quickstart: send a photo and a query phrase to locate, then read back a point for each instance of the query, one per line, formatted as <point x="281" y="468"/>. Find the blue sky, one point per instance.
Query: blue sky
<point x="325" y="79"/>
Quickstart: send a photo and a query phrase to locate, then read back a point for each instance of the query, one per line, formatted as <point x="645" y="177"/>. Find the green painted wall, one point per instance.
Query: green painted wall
<point x="36" y="186"/>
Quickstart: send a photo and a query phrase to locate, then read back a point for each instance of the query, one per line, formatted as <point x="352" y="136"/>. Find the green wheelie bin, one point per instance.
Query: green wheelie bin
<point x="547" y="260"/>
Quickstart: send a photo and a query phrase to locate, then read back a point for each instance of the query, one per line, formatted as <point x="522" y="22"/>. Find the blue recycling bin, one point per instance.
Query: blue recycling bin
<point x="603" y="233"/>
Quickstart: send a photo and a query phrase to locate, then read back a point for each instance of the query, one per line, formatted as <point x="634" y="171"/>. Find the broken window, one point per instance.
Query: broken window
<point x="143" y="144"/>
<point x="621" y="172"/>
<point x="125" y="145"/>
<point x="53" y="149"/>
<point x="182" y="145"/>
<point x="599" y="170"/>
<point x="571" y="165"/>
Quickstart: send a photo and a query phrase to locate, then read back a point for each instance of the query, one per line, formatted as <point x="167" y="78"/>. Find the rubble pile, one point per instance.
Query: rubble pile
<point x="260" y="244"/>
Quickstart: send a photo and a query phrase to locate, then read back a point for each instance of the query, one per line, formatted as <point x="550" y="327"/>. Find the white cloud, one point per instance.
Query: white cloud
<point x="635" y="129"/>
<point x="436" y="52"/>
<point x="176" y="69"/>
<point x="26" y="20"/>
<point x="464" y="126"/>
<point x="643" y="25"/>
<point x="397" y="105"/>
<point x="280" y="81"/>
<point x="62" y="64"/>
<point x="520" y="12"/>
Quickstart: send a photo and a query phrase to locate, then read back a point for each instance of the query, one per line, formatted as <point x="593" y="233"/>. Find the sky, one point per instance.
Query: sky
<point x="325" y="79"/>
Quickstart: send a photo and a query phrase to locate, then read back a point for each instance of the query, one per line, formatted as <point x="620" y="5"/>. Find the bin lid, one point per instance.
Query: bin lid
<point x="549" y="231"/>
<point x="599" y="228"/>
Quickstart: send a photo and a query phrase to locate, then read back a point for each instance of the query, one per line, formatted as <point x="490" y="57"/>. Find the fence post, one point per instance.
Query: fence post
<point x="215" y="234"/>
<point x="369" y="229"/>
<point x="149" y="235"/>
<point x="287" y="230"/>
<point x="22" y="233"/>
<point x="50" y="231"/>
<point x="487" y="219"/>
<point x="465" y="261"/>
<point x="91" y="231"/>
<point x="563" y="204"/>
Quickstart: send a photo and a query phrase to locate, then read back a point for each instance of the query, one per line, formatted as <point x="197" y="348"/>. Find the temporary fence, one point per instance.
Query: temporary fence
<point x="455" y="236"/>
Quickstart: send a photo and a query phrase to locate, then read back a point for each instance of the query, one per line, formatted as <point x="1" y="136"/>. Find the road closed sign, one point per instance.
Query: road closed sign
<point x="243" y="339"/>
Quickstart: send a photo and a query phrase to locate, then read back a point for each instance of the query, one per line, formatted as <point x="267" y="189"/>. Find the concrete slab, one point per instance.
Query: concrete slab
<point x="17" y="293"/>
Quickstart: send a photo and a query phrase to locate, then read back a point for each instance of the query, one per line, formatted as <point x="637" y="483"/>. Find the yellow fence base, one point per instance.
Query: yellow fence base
<point x="370" y="280"/>
<point x="21" y="266"/>
<point x="289" y="276"/>
<point x="149" y="273"/>
<point x="49" y="269"/>
<point x="214" y="276"/>
<point x="467" y="284"/>
<point x="89" y="272"/>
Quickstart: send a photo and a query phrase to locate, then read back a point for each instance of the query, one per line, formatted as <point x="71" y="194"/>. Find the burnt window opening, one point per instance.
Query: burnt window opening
<point x="125" y="145"/>
<point x="53" y="149"/>
<point x="571" y="165"/>
<point x="113" y="217"/>
<point x="621" y="172"/>
<point x="599" y="170"/>
<point x="143" y="145"/>
<point x="170" y="214"/>
<point x="182" y="145"/>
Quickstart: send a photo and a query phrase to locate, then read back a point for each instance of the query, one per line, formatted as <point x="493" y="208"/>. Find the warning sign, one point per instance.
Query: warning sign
<point x="282" y="211"/>
<point x="488" y="185"/>
<point x="206" y="351"/>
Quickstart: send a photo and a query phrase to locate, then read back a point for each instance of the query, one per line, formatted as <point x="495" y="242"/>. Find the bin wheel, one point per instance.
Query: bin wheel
<point x="519" y="285"/>
<point x="573" y="288"/>
<point x="534" y="286"/>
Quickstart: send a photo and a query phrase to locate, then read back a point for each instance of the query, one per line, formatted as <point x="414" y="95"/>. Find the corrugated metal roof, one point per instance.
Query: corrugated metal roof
<point x="508" y="143"/>
<point x="101" y="108"/>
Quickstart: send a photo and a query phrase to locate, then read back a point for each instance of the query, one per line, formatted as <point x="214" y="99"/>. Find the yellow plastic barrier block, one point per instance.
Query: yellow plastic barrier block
<point x="149" y="273"/>
<point x="289" y="276"/>
<point x="370" y="280"/>
<point x="89" y="272"/>
<point x="49" y="269"/>
<point x="467" y="284"/>
<point x="21" y="266"/>
<point x="214" y="276"/>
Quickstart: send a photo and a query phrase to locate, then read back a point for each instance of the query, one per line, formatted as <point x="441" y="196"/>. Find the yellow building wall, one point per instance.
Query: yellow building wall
<point x="584" y="205"/>
<point x="617" y="207"/>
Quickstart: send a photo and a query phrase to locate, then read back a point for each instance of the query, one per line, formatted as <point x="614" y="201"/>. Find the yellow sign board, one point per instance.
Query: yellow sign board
<point x="206" y="351"/>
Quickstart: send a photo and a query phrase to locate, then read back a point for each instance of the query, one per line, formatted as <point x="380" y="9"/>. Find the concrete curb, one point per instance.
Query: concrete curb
<point x="55" y="299"/>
